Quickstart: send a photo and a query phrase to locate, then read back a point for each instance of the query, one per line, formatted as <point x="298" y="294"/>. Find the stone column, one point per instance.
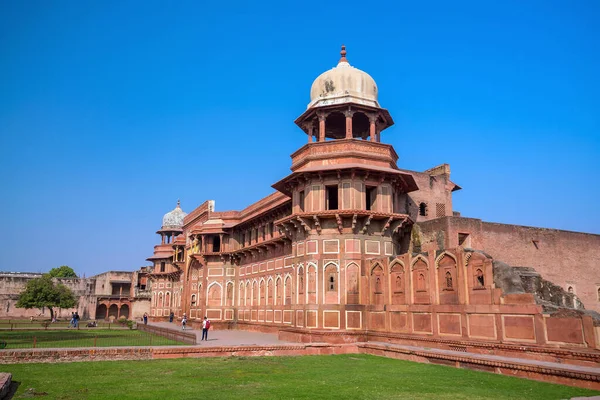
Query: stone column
<point x="372" y="127"/>
<point x="349" y="115"/>
<point x="322" y="118"/>
<point x="310" y="133"/>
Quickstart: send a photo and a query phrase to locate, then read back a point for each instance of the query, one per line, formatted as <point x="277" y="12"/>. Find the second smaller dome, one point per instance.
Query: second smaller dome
<point x="174" y="219"/>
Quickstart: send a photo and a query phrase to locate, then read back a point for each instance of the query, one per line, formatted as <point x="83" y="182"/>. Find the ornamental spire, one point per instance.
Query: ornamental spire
<point x="343" y="54"/>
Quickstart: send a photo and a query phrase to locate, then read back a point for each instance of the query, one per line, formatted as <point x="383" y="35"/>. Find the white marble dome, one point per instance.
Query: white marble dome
<point x="174" y="219"/>
<point x="343" y="84"/>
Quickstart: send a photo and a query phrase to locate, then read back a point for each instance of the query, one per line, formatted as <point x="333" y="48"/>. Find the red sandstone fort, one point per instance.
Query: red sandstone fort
<point x="350" y="243"/>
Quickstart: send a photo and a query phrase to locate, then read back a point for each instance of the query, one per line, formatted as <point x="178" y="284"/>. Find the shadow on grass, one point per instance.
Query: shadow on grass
<point x="14" y="385"/>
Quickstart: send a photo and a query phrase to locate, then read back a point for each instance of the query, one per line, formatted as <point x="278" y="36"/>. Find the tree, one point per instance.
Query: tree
<point x="43" y="292"/>
<point x="62" y="272"/>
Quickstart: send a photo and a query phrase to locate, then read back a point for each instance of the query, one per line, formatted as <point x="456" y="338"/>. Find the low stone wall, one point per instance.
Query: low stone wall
<point x="254" y="351"/>
<point x="22" y="356"/>
<point x="181" y="336"/>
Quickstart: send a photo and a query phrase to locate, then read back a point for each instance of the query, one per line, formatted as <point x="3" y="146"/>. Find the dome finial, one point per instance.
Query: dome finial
<point x="178" y="203"/>
<point x="343" y="54"/>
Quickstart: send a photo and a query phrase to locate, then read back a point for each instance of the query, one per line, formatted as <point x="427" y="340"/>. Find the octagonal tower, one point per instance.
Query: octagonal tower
<point x="348" y="195"/>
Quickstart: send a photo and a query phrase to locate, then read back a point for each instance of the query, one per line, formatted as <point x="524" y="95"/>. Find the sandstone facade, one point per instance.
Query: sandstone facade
<point x="349" y="242"/>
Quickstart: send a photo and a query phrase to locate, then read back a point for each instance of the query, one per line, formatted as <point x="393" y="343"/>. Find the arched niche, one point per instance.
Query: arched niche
<point x="301" y="285"/>
<point x="447" y="278"/>
<point x="287" y="290"/>
<point x="270" y="291"/>
<point x="312" y="284"/>
<point x="241" y="294"/>
<point x="420" y="281"/>
<point x="479" y="276"/>
<point x="214" y="295"/>
<point x="352" y="283"/>
<point x="331" y="283"/>
<point x="229" y="294"/>
<point x="248" y="295"/>
<point x="261" y="291"/>
<point x="254" y="293"/>
<point x="398" y="282"/>
<point x="278" y="291"/>
<point x="377" y="285"/>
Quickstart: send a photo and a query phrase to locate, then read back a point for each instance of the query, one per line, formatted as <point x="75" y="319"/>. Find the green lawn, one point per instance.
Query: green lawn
<point x="308" y="377"/>
<point x="75" y="338"/>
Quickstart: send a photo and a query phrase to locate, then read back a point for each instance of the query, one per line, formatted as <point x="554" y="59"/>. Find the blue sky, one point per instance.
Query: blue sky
<point x="111" y="111"/>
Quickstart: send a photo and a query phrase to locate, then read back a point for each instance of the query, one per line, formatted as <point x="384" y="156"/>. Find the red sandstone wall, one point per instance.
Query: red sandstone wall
<point x="434" y="191"/>
<point x="562" y="257"/>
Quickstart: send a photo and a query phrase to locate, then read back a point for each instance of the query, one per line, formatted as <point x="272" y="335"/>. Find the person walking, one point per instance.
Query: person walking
<point x="183" y="321"/>
<point x="76" y="318"/>
<point x="145" y="318"/>
<point x="205" y="328"/>
<point x="171" y="316"/>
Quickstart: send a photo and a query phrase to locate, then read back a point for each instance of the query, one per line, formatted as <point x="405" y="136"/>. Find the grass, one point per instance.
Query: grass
<point x="308" y="377"/>
<point x="87" y="338"/>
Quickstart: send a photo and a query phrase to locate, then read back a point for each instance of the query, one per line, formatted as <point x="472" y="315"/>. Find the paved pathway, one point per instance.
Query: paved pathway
<point x="227" y="337"/>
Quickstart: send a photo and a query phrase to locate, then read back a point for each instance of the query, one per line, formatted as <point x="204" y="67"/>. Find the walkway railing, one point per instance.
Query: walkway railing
<point x="15" y="325"/>
<point x="172" y="334"/>
<point x="55" y="338"/>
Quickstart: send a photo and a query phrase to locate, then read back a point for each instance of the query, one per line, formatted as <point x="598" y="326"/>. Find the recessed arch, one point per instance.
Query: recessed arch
<point x="229" y="293"/>
<point x="377" y="264"/>
<point x="278" y="290"/>
<point x="214" y="294"/>
<point x="101" y="311"/>
<point x="417" y="259"/>
<point x="396" y="264"/>
<point x="287" y="289"/>
<point x="352" y="283"/>
<point x="311" y="283"/>
<point x="337" y="266"/>
<point x="441" y="257"/>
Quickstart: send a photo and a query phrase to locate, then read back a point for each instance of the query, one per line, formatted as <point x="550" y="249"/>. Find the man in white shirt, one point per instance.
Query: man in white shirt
<point x="205" y="328"/>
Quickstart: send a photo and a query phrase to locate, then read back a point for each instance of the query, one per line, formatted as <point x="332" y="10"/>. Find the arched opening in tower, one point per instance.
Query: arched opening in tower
<point x="360" y="125"/>
<point x="335" y="126"/>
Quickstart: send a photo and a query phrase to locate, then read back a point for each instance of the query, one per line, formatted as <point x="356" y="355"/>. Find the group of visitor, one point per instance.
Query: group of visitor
<point x="184" y="320"/>
<point x="205" y="325"/>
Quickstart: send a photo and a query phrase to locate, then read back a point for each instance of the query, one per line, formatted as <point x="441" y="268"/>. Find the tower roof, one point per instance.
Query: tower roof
<point x="343" y="84"/>
<point x="173" y="220"/>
